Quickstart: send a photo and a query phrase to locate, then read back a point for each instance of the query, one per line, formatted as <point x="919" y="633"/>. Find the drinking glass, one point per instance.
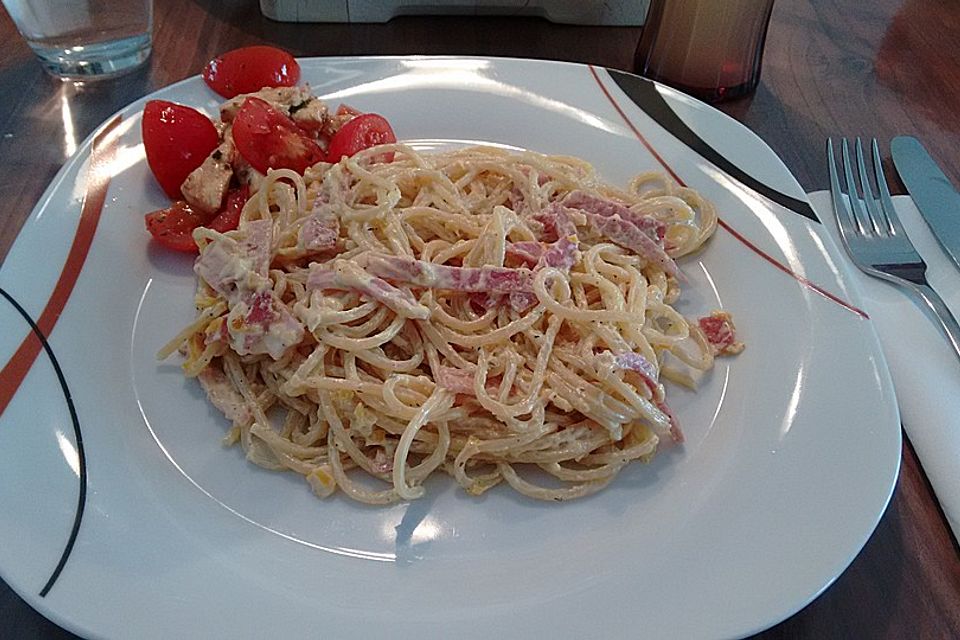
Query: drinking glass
<point x="85" y="39"/>
<point x="711" y="49"/>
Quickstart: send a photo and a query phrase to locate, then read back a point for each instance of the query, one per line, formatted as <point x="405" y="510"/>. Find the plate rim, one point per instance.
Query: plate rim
<point x="83" y="150"/>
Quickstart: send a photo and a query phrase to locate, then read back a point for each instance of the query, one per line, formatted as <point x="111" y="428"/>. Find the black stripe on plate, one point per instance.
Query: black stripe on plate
<point x="644" y="94"/>
<point x="81" y="458"/>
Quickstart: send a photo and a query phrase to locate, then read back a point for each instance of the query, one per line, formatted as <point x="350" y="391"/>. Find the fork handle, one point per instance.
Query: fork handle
<point x="948" y="323"/>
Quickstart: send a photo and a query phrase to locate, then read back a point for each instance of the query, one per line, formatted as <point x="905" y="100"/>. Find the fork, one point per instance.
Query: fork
<point x="875" y="239"/>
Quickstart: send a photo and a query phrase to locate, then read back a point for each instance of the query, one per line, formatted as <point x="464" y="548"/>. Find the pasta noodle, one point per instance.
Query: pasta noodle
<point x="498" y="316"/>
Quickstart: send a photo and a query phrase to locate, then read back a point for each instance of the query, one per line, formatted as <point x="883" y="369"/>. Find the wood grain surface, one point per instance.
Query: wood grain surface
<point x="831" y="68"/>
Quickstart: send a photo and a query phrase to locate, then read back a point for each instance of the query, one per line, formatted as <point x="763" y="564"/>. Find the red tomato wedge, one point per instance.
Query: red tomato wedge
<point x="229" y="217"/>
<point x="173" y="227"/>
<point x="268" y="139"/>
<point x="362" y="132"/>
<point x="176" y="140"/>
<point x="250" y="69"/>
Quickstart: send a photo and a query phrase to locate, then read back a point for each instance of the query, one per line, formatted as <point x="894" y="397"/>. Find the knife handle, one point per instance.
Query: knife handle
<point x="948" y="324"/>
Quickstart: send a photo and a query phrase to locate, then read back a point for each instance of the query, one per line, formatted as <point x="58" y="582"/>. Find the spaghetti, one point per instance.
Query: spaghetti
<point x="498" y="316"/>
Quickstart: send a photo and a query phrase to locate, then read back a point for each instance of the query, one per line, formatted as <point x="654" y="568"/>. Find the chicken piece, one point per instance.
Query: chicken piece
<point x="281" y="98"/>
<point x="247" y="175"/>
<point x="310" y="114"/>
<point x="207" y="185"/>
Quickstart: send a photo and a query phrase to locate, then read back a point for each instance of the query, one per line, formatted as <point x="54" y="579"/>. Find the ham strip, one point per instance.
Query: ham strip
<point x="625" y="227"/>
<point x="420" y="273"/>
<point x="528" y="252"/>
<point x="629" y="236"/>
<point x="610" y="208"/>
<point x="347" y="276"/>
<point x="562" y="254"/>
<point x="648" y="373"/>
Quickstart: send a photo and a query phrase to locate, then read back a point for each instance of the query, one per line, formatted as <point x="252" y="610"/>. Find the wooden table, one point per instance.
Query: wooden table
<point x="832" y="68"/>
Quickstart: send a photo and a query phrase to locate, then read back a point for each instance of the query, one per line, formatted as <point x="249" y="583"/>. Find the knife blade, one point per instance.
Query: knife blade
<point x="934" y="195"/>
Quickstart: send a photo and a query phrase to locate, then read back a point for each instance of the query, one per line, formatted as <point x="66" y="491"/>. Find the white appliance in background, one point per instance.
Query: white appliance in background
<point x="586" y="12"/>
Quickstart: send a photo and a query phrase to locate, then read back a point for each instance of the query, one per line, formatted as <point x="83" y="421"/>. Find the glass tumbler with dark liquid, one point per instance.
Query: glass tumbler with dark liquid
<point x="710" y="49"/>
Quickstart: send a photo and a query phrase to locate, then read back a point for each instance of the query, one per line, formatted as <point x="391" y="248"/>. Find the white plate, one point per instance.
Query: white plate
<point x="793" y="447"/>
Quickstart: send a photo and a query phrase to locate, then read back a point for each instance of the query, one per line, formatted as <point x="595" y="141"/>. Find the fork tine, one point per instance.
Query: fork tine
<point x="840" y="209"/>
<point x="856" y="205"/>
<point x="888" y="213"/>
<point x="874" y="214"/>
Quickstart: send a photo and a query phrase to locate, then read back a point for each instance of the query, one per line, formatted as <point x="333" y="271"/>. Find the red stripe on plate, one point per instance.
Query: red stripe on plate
<point x="97" y="181"/>
<point x="813" y="287"/>
<point x="636" y="131"/>
<point x="760" y="252"/>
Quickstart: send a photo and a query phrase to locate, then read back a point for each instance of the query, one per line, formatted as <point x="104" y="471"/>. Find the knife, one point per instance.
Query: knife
<point x="931" y="190"/>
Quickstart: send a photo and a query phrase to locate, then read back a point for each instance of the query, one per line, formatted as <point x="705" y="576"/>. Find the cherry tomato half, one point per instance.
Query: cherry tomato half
<point x="229" y="217"/>
<point x="176" y="140"/>
<point x="173" y="227"/>
<point x="268" y="139"/>
<point x="362" y="132"/>
<point x="250" y="69"/>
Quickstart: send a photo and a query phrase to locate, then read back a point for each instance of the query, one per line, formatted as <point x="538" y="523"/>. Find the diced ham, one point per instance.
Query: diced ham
<point x="236" y="265"/>
<point x="237" y="261"/>
<point x="557" y="222"/>
<point x="456" y="380"/>
<point x="625" y="227"/>
<point x="259" y="323"/>
<point x="460" y="381"/>
<point x="319" y="232"/>
<point x="382" y="462"/>
<point x="420" y="273"/>
<point x="721" y="333"/>
<point x="207" y="185"/>
<point x="518" y="301"/>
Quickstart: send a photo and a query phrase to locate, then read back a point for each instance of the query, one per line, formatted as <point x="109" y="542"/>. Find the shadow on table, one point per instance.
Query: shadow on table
<point x="20" y="621"/>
